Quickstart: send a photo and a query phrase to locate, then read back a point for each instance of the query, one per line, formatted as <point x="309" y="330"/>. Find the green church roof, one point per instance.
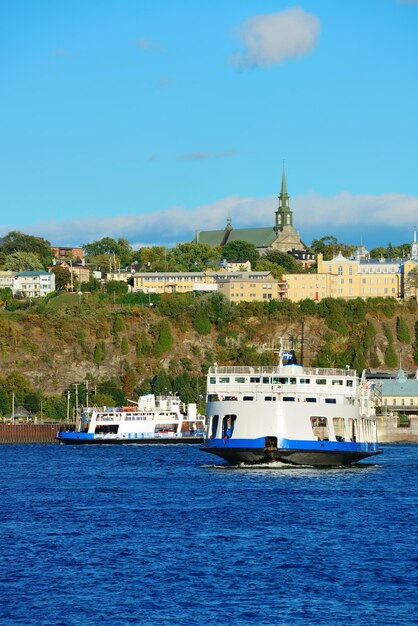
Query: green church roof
<point x="259" y="237"/>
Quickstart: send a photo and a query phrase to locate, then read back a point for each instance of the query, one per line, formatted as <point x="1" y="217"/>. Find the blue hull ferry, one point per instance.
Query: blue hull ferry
<point x="290" y="414"/>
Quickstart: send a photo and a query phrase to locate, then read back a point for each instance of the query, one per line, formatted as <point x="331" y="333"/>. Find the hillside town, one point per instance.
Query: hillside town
<point x="243" y="264"/>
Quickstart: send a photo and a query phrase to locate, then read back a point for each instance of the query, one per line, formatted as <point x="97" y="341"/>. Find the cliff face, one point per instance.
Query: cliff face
<point x="64" y="341"/>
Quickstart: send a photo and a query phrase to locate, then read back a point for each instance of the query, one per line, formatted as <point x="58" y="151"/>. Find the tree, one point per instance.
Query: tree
<point x="240" y="251"/>
<point x="15" y="241"/>
<point x="108" y="252"/>
<point x="124" y="346"/>
<point x="152" y="259"/>
<point x="283" y="259"/>
<point x="402" y="331"/>
<point x="22" y="262"/>
<point x="117" y="287"/>
<point x="330" y="247"/>
<point x="118" y="325"/>
<point x="412" y="282"/>
<point x="164" y="339"/>
<point x="99" y="353"/>
<point x="193" y="257"/>
<point x="391" y="359"/>
<point x="264" y="265"/>
<point x="378" y="253"/>
<point x="389" y="251"/>
<point x="62" y="277"/>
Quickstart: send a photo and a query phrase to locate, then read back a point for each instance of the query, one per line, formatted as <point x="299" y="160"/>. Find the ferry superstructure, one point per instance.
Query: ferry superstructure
<point x="151" y="420"/>
<point x="291" y="414"/>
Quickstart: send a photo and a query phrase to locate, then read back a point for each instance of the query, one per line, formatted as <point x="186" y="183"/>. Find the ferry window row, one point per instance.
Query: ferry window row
<point x="278" y="380"/>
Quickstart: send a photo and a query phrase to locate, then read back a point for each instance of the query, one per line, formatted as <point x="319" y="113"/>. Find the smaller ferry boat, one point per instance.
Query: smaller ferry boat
<point x="290" y="414"/>
<point x="151" y="420"/>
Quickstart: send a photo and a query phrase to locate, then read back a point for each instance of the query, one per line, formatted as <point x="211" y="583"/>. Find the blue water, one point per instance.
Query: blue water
<point x="164" y="535"/>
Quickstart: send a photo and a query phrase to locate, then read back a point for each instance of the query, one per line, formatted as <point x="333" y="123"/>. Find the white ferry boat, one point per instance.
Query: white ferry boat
<point x="291" y="414"/>
<point x="151" y="420"/>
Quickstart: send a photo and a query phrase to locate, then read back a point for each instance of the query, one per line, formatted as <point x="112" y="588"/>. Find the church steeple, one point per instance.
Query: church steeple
<point x="284" y="216"/>
<point x="414" y="246"/>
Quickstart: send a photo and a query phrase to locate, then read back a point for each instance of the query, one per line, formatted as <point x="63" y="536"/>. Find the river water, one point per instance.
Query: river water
<point x="168" y="535"/>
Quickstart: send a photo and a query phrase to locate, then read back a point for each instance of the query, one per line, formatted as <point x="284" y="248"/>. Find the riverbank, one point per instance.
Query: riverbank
<point x="389" y="430"/>
<point x="30" y="433"/>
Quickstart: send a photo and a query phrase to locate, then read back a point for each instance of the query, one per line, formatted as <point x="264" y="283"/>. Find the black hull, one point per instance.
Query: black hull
<point x="137" y="442"/>
<point x="320" y="458"/>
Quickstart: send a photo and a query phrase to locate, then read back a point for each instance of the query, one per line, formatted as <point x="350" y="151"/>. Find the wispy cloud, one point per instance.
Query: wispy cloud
<point x="274" y="38"/>
<point x="201" y="156"/>
<point x="313" y="214"/>
<point x="60" y="52"/>
<point x="163" y="81"/>
<point x="149" y="44"/>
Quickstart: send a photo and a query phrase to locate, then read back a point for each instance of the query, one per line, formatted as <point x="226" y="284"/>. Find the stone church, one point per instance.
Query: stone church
<point x="282" y="236"/>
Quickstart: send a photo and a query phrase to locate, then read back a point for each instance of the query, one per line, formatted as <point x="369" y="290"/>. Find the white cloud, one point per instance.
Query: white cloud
<point x="148" y="44"/>
<point x="274" y="38"/>
<point x="313" y="214"/>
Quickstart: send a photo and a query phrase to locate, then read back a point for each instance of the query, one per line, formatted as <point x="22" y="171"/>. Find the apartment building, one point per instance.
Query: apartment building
<point x="33" y="284"/>
<point x="250" y="290"/>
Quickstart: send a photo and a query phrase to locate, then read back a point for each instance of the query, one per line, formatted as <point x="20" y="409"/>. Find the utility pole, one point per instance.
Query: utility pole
<point x="76" y="398"/>
<point x="13" y="407"/>
<point x="87" y="392"/>
<point x="68" y="406"/>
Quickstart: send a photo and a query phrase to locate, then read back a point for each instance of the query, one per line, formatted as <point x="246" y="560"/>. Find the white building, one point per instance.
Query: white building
<point x="33" y="284"/>
<point x="6" y="279"/>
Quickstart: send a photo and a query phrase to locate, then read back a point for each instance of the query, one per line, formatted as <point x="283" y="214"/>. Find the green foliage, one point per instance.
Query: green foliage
<point x="116" y="249"/>
<point x="391" y="359"/>
<point x="93" y="284"/>
<point x="415" y="345"/>
<point x="240" y="251"/>
<point x="355" y="311"/>
<point x="118" y="325"/>
<point x="388" y="333"/>
<point x="308" y="307"/>
<point x="330" y="247"/>
<point x="17" y="242"/>
<point x="359" y="362"/>
<point x="201" y="324"/>
<point x="99" y="353"/>
<point x="164" y="338"/>
<point x="283" y="260"/>
<point x="142" y="345"/>
<point x="369" y="335"/>
<point x="116" y="286"/>
<point x="62" y="277"/>
<point x="374" y="361"/>
<point x="124" y="346"/>
<point x="264" y="265"/>
<point x="193" y="257"/>
<point x="402" y="331"/>
<point x="22" y="262"/>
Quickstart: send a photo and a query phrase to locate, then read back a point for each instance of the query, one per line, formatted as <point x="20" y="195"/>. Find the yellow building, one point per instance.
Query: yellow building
<point x="182" y="282"/>
<point x="250" y="290"/>
<point x="352" y="278"/>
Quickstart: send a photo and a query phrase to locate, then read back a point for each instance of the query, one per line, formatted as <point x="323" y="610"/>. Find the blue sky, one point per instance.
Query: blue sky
<point x="150" y="120"/>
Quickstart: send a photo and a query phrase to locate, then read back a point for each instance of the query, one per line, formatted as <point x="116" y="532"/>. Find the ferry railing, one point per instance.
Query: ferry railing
<point x="263" y="369"/>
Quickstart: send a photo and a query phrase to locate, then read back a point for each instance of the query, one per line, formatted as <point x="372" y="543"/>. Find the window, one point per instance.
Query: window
<point x="310" y="399"/>
<point x="321" y="381"/>
<point x="283" y="381"/>
<point x="270" y="398"/>
<point x="212" y="380"/>
<point x="225" y="379"/>
<point x="266" y="380"/>
<point x="305" y="381"/>
<point x="330" y="401"/>
<point x="288" y="399"/>
<point x="240" y="379"/>
<point x="214" y="426"/>
<point x="254" y="379"/>
<point x="337" y="382"/>
<point x="349" y="383"/>
<point x="248" y="398"/>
